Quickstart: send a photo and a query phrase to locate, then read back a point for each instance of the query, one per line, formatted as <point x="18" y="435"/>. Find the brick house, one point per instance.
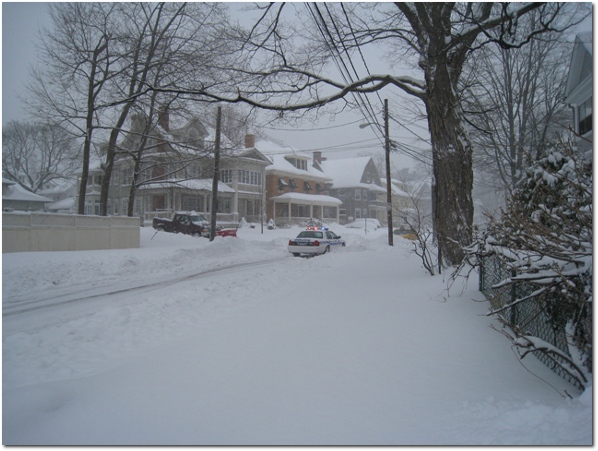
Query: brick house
<point x="296" y="187"/>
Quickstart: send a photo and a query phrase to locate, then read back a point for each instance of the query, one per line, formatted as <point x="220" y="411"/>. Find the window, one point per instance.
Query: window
<point x="281" y="184"/>
<point x="357" y="213"/>
<point x="358" y="194"/>
<point x="193" y="171"/>
<point x="250" y="177"/>
<point x="307" y="187"/>
<point x="192" y="203"/>
<point x="292" y="185"/>
<point x="224" y="205"/>
<point x="585" y="117"/>
<point x="226" y="176"/>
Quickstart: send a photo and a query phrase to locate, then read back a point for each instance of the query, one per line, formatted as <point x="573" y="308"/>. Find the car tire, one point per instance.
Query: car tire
<point x="327" y="249"/>
<point x="296" y="255"/>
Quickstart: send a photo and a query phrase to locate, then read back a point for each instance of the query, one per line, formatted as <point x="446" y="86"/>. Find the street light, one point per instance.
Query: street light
<point x="388" y="181"/>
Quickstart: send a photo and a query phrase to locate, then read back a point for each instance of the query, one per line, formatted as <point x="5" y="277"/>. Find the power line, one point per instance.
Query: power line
<point x="311" y="129"/>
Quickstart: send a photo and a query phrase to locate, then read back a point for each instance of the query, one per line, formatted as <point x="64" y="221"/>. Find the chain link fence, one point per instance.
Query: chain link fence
<point x="528" y="316"/>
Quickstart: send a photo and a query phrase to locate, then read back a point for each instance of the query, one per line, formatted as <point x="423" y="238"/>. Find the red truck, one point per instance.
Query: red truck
<point x="189" y="224"/>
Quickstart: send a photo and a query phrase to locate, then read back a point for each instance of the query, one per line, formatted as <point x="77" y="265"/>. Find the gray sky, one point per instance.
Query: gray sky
<point x="22" y="20"/>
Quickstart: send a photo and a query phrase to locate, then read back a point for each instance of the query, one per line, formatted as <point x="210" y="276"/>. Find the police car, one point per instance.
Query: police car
<point x="314" y="241"/>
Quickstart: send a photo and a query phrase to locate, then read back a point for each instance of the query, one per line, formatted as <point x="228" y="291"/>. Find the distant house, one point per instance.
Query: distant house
<point x="63" y="194"/>
<point x="15" y="197"/>
<point x="356" y="182"/>
<point x="411" y="202"/>
<point x="578" y="93"/>
<point x="296" y="187"/>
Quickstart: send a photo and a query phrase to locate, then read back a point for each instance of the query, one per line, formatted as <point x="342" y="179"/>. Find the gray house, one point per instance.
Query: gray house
<point x="175" y="173"/>
<point x="356" y="182"/>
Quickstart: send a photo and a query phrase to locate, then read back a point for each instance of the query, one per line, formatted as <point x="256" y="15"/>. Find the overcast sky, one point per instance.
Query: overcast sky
<point x="20" y="25"/>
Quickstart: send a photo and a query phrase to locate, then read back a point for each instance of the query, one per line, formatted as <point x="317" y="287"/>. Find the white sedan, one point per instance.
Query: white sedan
<point x="314" y="241"/>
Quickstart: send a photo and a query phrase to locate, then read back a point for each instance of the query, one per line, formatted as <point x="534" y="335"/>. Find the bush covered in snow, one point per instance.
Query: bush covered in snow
<point x="545" y="238"/>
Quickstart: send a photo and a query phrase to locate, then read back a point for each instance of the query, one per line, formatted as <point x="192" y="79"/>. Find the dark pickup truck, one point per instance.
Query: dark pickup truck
<point x="190" y="224"/>
<point x="194" y="225"/>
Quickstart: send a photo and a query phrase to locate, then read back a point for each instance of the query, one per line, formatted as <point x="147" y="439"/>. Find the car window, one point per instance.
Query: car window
<point x="329" y="235"/>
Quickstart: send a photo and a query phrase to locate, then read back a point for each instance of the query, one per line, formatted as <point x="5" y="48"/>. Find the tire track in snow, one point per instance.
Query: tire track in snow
<point x="17" y="307"/>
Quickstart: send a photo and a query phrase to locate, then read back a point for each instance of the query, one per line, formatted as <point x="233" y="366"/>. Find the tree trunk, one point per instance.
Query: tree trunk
<point x="452" y="185"/>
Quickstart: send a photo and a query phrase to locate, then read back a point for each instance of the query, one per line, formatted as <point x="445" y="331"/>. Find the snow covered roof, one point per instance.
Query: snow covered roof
<point x="64" y="204"/>
<point x="280" y="163"/>
<point x="16" y="192"/>
<point x="269" y="148"/>
<point x="348" y="172"/>
<point x="200" y="185"/>
<point x="314" y="199"/>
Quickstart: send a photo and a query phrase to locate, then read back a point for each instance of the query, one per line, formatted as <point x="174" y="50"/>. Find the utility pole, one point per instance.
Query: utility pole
<point x="214" y="210"/>
<point x="388" y="181"/>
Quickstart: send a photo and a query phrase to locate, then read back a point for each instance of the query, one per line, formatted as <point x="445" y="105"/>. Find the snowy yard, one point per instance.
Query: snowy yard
<point x="184" y="342"/>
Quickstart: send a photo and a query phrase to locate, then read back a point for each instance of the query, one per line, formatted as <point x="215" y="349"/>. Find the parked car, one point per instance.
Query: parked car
<point x="405" y="233"/>
<point x="314" y="241"/>
<point x="363" y="223"/>
<point x="188" y="224"/>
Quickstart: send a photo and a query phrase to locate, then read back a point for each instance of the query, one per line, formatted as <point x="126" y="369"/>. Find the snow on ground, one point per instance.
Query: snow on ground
<point x="185" y="342"/>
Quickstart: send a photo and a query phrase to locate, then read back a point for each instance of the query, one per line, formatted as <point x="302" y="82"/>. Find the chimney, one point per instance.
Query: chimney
<point x="250" y="141"/>
<point x="317" y="157"/>
<point x="163" y="118"/>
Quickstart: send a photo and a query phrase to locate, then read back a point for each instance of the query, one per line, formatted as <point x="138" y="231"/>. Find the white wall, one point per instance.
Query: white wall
<point x="35" y="232"/>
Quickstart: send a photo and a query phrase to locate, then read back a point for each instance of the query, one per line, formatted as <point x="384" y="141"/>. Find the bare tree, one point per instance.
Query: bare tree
<point x="75" y="67"/>
<point x="439" y="36"/>
<point x="516" y="103"/>
<point x="35" y="154"/>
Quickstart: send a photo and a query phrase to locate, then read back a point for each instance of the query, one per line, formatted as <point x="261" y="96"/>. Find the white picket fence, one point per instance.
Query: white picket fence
<point x="36" y="232"/>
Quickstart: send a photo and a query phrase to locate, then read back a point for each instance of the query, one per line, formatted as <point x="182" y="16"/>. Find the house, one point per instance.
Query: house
<point x="175" y="173"/>
<point x="15" y="197"/>
<point x="297" y="187"/>
<point x="411" y="202"/>
<point x="356" y="182"/>
<point x="63" y="194"/>
<point x="578" y="93"/>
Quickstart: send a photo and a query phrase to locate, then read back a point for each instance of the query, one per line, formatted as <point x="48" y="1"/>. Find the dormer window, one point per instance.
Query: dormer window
<point x="298" y="163"/>
<point x="281" y="184"/>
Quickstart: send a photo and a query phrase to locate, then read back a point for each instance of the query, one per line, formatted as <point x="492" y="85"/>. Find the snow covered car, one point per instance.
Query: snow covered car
<point x="314" y="241"/>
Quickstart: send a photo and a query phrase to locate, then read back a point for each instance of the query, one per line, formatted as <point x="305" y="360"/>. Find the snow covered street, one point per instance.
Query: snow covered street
<point x="235" y="342"/>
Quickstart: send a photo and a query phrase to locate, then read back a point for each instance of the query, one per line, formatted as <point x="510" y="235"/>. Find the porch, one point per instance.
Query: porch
<point x="302" y="209"/>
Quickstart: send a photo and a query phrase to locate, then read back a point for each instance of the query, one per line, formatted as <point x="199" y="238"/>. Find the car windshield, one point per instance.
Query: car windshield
<point x="310" y="234"/>
<point x="198" y="219"/>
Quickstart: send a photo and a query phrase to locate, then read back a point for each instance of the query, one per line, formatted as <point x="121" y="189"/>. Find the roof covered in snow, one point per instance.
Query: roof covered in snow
<point x="315" y="199"/>
<point x="202" y="185"/>
<point x="15" y="192"/>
